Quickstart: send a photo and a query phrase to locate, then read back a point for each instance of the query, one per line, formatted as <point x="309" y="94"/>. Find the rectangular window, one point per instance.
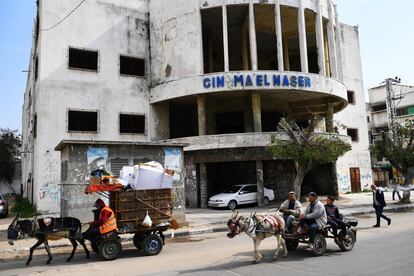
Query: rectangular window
<point x="380" y="107"/>
<point x="402" y="111"/>
<point x="351" y="97"/>
<point x="132" y="66"/>
<point x="212" y="33"/>
<point x="117" y="164"/>
<point x="353" y="133"/>
<point x="131" y="124"/>
<point x="83" y="59"/>
<point x="82" y="120"/>
<point x="368" y="119"/>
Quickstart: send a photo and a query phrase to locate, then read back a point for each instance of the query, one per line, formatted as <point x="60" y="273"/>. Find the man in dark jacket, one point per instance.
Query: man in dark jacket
<point x="334" y="217"/>
<point x="379" y="204"/>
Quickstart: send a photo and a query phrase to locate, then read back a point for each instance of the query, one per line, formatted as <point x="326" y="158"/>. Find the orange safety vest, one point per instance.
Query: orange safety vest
<point x="110" y="224"/>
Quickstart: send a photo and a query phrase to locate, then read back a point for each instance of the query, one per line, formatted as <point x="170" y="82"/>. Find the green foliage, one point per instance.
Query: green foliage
<point x="306" y="147"/>
<point x="397" y="148"/>
<point x="24" y="208"/>
<point x="9" y="149"/>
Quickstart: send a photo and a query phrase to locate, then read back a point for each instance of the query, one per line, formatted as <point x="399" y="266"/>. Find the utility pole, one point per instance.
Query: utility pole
<point x="390" y="101"/>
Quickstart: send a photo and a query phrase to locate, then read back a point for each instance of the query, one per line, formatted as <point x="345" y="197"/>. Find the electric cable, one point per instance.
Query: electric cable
<point x="64" y="18"/>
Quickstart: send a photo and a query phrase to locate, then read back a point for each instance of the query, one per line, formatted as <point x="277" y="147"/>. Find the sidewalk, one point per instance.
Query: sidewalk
<point x="204" y="221"/>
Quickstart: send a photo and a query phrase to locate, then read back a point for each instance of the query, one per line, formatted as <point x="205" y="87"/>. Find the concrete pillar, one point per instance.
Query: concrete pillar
<point x="338" y="46"/>
<point x="332" y="43"/>
<point x="201" y="110"/>
<point x="329" y="118"/>
<point x="225" y="39"/>
<point x="302" y="39"/>
<point x="279" y="37"/>
<point x="257" y="112"/>
<point x="286" y="54"/>
<point x="260" y="182"/>
<point x="319" y="40"/>
<point x="203" y="186"/>
<point x="160" y="117"/>
<point x="252" y="37"/>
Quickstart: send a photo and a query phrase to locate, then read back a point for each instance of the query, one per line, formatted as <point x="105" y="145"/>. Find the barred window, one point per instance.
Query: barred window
<point x="131" y="124"/>
<point x="83" y="59"/>
<point x="351" y="97"/>
<point x="132" y="66"/>
<point x="117" y="164"/>
<point x="82" y="120"/>
<point x="380" y="107"/>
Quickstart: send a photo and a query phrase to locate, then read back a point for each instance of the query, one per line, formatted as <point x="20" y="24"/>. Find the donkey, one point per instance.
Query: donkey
<point x="258" y="228"/>
<point x="47" y="229"/>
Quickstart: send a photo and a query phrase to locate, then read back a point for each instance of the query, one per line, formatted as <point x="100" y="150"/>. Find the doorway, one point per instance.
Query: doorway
<point x="355" y="180"/>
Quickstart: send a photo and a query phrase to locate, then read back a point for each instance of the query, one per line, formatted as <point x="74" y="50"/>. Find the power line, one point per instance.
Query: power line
<point x="64" y="18"/>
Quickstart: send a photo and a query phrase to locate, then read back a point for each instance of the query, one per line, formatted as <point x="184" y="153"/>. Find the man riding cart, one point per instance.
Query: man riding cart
<point x="105" y="224"/>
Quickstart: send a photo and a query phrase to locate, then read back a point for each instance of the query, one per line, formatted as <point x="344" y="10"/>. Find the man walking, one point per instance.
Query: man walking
<point x="379" y="204"/>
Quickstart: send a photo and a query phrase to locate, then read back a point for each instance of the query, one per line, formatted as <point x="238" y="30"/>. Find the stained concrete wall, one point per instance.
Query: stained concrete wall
<point x="113" y="30"/>
<point x="73" y="198"/>
<point x="354" y="116"/>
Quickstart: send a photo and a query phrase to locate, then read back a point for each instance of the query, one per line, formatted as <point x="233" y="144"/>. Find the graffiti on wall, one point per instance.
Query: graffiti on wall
<point x="344" y="181"/>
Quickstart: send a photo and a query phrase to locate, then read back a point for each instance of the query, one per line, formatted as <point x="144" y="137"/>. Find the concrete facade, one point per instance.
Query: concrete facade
<point x="218" y="76"/>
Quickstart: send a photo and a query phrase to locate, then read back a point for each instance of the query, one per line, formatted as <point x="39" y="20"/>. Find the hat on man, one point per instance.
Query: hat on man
<point x="313" y="194"/>
<point x="99" y="202"/>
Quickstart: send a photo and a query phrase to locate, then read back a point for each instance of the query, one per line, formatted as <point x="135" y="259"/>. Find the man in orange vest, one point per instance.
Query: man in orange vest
<point x="105" y="224"/>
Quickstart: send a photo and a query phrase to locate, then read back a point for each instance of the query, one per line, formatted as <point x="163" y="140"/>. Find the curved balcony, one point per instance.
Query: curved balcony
<point x="237" y="140"/>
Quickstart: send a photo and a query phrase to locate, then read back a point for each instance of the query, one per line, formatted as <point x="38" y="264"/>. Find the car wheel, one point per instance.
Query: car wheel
<point x="266" y="201"/>
<point x="232" y="205"/>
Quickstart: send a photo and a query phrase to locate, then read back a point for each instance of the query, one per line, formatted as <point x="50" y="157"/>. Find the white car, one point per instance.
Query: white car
<point x="239" y="195"/>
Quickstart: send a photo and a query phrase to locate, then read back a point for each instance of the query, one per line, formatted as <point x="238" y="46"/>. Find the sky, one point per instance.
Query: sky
<point x="386" y="31"/>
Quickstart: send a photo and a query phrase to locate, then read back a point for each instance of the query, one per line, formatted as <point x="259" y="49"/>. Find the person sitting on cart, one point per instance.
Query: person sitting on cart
<point x="290" y="209"/>
<point x="314" y="217"/>
<point x="334" y="218"/>
<point x="105" y="224"/>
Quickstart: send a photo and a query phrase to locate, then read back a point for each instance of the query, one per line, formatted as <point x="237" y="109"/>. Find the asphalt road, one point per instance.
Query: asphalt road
<point x="382" y="251"/>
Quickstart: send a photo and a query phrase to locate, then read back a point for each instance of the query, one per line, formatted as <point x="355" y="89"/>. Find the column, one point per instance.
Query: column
<point x="252" y="36"/>
<point x="286" y="54"/>
<point x="279" y="38"/>
<point x="225" y="39"/>
<point x="201" y="110"/>
<point x="338" y="47"/>
<point x="203" y="186"/>
<point x="257" y="112"/>
<point x="329" y="118"/>
<point x="319" y="40"/>
<point x="332" y="43"/>
<point x="260" y="183"/>
<point x="302" y="39"/>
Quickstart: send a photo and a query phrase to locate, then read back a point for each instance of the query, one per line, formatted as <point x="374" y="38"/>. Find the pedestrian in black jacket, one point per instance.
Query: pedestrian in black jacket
<point x="379" y="204"/>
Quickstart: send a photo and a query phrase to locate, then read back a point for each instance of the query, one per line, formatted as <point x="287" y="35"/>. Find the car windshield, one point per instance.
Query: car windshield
<point x="231" y="190"/>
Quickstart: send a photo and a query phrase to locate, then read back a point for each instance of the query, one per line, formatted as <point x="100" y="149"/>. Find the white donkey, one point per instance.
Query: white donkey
<point x="258" y="228"/>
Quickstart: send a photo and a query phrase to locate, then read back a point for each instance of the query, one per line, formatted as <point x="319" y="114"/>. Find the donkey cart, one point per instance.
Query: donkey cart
<point x="130" y="209"/>
<point x="345" y="243"/>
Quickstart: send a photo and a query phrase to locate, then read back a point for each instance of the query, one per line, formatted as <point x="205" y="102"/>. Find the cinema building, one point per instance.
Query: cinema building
<point x="213" y="75"/>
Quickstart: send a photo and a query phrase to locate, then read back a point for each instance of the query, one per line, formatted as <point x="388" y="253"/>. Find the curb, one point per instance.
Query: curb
<point x="213" y="229"/>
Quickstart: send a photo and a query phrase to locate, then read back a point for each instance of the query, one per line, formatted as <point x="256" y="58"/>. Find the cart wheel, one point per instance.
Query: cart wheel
<point x="319" y="245"/>
<point x="152" y="245"/>
<point x="110" y="249"/>
<point x="292" y="244"/>
<point x="138" y="240"/>
<point x="95" y="247"/>
<point x="347" y="243"/>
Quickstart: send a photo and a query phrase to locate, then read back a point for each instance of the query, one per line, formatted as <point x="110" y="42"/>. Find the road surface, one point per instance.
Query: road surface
<point x="382" y="251"/>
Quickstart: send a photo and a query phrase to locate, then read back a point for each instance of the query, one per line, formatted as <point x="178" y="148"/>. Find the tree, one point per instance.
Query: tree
<point x="9" y="150"/>
<point x="306" y="149"/>
<point x="398" y="148"/>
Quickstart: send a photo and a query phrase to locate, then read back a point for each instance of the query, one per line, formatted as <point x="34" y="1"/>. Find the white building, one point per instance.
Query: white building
<point x="217" y="75"/>
<point x="378" y="121"/>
